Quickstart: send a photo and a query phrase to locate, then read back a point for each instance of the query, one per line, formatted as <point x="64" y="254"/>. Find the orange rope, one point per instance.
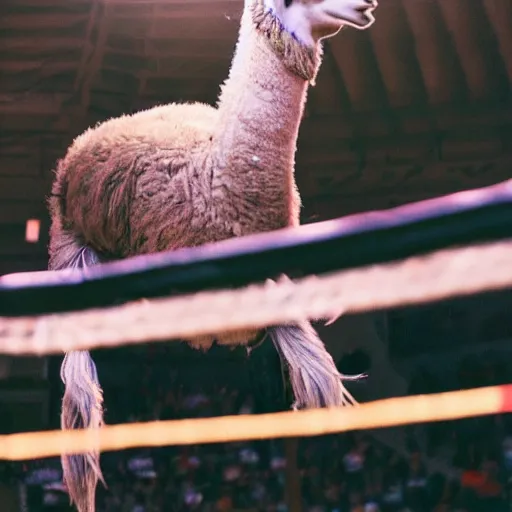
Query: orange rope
<point x="382" y="413"/>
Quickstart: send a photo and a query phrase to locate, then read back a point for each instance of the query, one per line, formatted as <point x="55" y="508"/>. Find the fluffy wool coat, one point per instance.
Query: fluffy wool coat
<point x="185" y="175"/>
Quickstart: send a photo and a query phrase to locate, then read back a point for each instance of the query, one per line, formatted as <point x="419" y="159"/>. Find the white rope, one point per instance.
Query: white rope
<point x="443" y="274"/>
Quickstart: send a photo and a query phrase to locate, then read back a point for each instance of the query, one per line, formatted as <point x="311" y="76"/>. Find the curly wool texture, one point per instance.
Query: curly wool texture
<point x="185" y="175"/>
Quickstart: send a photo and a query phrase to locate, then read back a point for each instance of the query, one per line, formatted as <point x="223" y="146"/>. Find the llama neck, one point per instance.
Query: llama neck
<point x="262" y="101"/>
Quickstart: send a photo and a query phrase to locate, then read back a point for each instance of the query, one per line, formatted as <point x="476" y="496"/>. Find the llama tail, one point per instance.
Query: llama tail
<point x="314" y="377"/>
<point x="82" y="405"/>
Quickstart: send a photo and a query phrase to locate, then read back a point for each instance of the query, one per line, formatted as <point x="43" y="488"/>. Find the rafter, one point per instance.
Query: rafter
<point x="32" y="103"/>
<point x="90" y="64"/>
<point x="499" y="13"/>
<point x="472" y="38"/>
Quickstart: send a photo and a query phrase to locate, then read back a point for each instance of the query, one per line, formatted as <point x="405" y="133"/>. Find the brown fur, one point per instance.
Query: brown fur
<point x="184" y="175"/>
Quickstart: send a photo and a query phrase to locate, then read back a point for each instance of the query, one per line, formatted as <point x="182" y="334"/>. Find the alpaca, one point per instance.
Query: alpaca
<point x="182" y="175"/>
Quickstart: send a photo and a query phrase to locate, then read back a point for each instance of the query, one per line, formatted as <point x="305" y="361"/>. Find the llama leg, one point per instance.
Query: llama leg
<point x="314" y="378"/>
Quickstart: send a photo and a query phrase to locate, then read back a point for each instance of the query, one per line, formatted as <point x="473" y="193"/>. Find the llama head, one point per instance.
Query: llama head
<point x="313" y="20"/>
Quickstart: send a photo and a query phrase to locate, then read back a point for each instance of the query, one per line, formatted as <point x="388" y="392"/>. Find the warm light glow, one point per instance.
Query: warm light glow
<point x="32" y="230"/>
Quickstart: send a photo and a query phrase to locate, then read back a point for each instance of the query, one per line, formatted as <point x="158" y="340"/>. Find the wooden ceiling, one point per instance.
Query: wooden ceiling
<point x="418" y="106"/>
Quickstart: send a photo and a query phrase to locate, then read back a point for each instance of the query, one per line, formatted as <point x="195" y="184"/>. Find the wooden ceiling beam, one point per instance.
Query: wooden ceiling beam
<point x="32" y="103"/>
<point x="441" y="71"/>
<point x="447" y="118"/>
<point x="472" y="37"/>
<point x="329" y="94"/>
<point x="55" y="4"/>
<point x="170" y="47"/>
<point x="359" y="71"/>
<point x="22" y="164"/>
<point x="320" y="208"/>
<point x="41" y="20"/>
<point x="198" y="30"/>
<point x="92" y="57"/>
<point x="393" y="46"/>
<point x="24" y="188"/>
<point x="499" y="13"/>
<point x="434" y="178"/>
<point x="332" y="206"/>
<point x="37" y="45"/>
<point x="18" y="212"/>
<point x="44" y="69"/>
<point x="197" y="4"/>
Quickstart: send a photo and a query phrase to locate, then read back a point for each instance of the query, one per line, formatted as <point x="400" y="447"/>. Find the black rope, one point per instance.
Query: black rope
<point x="364" y="239"/>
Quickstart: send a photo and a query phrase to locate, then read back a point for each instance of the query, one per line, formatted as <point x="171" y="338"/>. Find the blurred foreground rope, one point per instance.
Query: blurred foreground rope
<point x="439" y="275"/>
<point x="382" y="413"/>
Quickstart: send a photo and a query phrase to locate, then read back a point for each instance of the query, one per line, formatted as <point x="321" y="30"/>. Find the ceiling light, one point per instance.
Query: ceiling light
<point x="32" y="231"/>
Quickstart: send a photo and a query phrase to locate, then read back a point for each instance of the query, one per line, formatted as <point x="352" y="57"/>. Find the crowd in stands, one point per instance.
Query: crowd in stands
<point x="340" y="473"/>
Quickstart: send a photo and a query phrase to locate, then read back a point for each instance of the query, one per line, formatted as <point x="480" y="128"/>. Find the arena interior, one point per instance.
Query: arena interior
<point x="417" y="107"/>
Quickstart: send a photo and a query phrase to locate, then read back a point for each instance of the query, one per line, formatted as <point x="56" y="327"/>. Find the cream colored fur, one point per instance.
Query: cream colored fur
<point x="185" y="175"/>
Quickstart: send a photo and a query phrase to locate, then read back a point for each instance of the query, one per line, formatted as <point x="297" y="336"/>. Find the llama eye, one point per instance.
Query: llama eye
<point x="287" y="3"/>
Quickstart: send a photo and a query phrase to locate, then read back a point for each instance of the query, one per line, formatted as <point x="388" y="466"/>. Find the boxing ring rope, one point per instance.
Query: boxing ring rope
<point x="446" y="247"/>
<point x="417" y="280"/>
<point x="312" y="422"/>
<point x="433" y="250"/>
